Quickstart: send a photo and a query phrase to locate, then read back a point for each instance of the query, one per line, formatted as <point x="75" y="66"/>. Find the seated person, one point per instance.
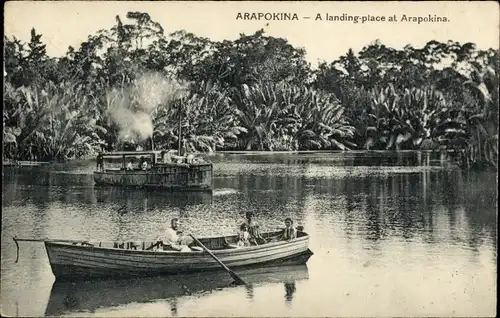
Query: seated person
<point x="129" y="166"/>
<point x="174" y="238"/>
<point x="179" y="160"/>
<point x="167" y="158"/>
<point x="289" y="232"/>
<point x="253" y="229"/>
<point x="243" y="236"/>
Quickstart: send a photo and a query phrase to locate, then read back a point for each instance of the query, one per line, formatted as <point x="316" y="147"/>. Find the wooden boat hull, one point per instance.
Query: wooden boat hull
<point x="88" y="296"/>
<point x="166" y="176"/>
<point x="75" y="262"/>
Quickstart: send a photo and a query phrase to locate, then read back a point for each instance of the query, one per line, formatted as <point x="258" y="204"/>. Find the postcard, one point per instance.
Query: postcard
<point x="250" y="159"/>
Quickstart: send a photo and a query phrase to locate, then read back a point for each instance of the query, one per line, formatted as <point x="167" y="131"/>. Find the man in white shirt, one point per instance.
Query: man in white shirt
<point x="166" y="157"/>
<point x="175" y="239"/>
<point x="129" y="166"/>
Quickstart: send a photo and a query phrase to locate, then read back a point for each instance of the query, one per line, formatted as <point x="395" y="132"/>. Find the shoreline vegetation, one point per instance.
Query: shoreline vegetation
<point x="134" y="85"/>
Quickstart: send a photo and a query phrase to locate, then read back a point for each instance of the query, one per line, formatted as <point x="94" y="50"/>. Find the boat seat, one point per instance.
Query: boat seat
<point x="83" y="243"/>
<point x="119" y="245"/>
<point x="133" y="245"/>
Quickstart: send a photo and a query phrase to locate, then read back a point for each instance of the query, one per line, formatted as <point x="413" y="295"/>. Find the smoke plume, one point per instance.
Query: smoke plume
<point x="130" y="107"/>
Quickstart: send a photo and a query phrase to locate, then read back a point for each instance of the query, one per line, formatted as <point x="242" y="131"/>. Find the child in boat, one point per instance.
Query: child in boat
<point x="243" y="236"/>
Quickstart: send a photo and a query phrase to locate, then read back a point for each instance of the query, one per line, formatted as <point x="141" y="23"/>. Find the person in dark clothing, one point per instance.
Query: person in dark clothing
<point x="142" y="163"/>
<point x="289" y="232"/>
<point x="253" y="229"/>
<point x="100" y="162"/>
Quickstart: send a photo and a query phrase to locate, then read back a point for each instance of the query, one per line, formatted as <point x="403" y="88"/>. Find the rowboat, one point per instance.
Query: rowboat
<point x="76" y="261"/>
<point x="88" y="296"/>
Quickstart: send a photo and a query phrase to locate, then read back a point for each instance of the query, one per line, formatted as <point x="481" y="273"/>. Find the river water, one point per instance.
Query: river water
<point x="393" y="234"/>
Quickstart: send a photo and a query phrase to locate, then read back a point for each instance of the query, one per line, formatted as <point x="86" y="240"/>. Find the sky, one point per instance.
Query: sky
<point x="65" y="23"/>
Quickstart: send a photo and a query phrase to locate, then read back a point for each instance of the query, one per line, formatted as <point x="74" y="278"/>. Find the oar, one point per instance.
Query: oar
<point x="236" y="278"/>
<point x="48" y="240"/>
<point x="157" y="244"/>
<point x="42" y="240"/>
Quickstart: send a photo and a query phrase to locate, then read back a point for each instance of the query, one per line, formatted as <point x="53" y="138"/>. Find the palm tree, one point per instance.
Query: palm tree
<point x="259" y="107"/>
<point x="471" y="129"/>
<point x="280" y="116"/>
<point x="11" y="130"/>
<point x="483" y="125"/>
<point x="53" y="122"/>
<point x="401" y="119"/>
<point x="322" y="124"/>
<point x="207" y="119"/>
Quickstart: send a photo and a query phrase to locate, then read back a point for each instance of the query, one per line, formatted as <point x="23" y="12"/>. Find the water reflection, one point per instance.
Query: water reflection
<point x="44" y="176"/>
<point x="352" y="158"/>
<point x="20" y="193"/>
<point x="132" y="199"/>
<point x="400" y="204"/>
<point x="173" y="306"/>
<point x="289" y="291"/>
<point x="401" y="225"/>
<point x="72" y="297"/>
<point x="249" y="291"/>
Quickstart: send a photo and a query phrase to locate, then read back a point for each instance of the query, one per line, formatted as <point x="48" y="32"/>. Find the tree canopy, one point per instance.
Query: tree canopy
<point x="257" y="92"/>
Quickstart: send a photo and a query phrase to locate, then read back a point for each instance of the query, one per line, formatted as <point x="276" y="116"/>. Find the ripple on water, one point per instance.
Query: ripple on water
<point x="391" y="236"/>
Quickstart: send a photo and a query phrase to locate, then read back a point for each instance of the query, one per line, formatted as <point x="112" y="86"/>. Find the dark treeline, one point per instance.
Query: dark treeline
<point x="131" y="84"/>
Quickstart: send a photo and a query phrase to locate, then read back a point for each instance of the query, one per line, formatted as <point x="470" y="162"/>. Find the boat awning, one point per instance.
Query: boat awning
<point x="131" y="153"/>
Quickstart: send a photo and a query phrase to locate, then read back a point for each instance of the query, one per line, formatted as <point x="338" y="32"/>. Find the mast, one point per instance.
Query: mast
<point x="179" y="146"/>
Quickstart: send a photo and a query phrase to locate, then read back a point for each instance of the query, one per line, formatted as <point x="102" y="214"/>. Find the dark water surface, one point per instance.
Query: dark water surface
<point x="394" y="234"/>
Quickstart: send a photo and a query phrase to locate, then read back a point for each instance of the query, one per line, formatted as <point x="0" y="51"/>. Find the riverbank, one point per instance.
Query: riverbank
<point x="333" y="158"/>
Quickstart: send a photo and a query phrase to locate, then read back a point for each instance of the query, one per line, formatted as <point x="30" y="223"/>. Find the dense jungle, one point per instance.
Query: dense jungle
<point x="134" y="84"/>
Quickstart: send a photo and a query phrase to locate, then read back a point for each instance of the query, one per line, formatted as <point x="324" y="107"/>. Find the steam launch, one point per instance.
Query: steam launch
<point x="155" y="169"/>
<point x="131" y="165"/>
